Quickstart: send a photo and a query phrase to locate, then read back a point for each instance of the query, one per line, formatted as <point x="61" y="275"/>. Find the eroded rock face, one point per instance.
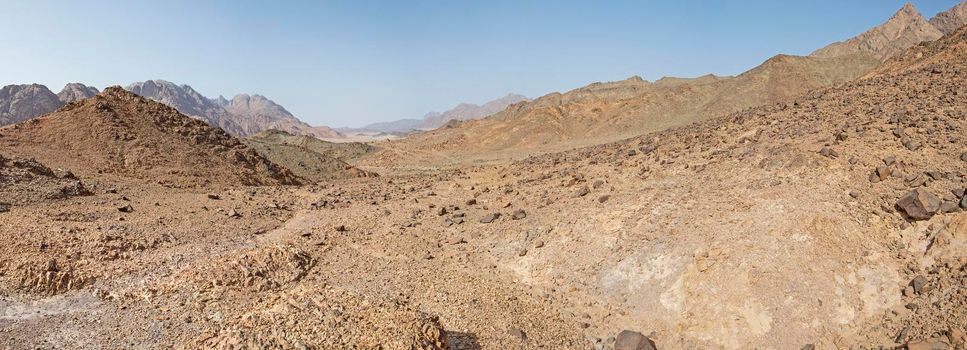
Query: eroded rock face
<point x="76" y="92"/>
<point x="919" y="204"/>
<point x="22" y="102"/>
<point x="905" y="29"/>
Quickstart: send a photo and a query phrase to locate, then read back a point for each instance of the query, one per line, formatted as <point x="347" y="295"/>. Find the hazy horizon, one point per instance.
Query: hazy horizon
<point x="347" y="64"/>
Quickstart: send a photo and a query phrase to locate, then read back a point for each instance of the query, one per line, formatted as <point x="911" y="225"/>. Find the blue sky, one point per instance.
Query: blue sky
<point x="348" y="63"/>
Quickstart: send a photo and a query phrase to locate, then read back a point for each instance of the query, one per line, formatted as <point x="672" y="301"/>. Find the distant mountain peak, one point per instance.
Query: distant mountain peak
<point x="951" y="20"/>
<point x="906" y="28"/>
<point x="76" y="92"/>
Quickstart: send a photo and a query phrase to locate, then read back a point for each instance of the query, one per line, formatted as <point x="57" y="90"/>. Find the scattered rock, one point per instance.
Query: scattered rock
<point x="581" y="192"/>
<point x="883" y="172"/>
<point x="522" y="251"/>
<point x="597" y="183"/>
<point x="126" y="209"/>
<point x="471" y="201"/>
<point x="538" y="243"/>
<point x="629" y="340"/>
<point x="949" y="206"/>
<point x="937" y="343"/>
<point x="808" y="347"/>
<point x="519" y="214"/>
<point x="489" y="218"/>
<point x="604" y="198"/>
<point x="919" y="204"/>
<point x="456" y="240"/>
<point x="889" y="160"/>
<point x="854" y="194"/>
<point x="4" y="207"/>
<point x="340" y="228"/>
<point x="214" y="196"/>
<point x="918" y="283"/>
<point x="517" y="333"/>
<point x="233" y="214"/>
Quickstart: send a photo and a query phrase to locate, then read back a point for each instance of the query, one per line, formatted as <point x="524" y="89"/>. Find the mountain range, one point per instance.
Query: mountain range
<point x="603" y="112"/>
<point x="433" y="120"/>
<point x="243" y="115"/>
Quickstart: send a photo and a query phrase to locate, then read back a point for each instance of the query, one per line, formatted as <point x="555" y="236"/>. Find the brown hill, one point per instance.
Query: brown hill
<point x="309" y="157"/>
<point x="122" y="133"/>
<point x="603" y="112"/>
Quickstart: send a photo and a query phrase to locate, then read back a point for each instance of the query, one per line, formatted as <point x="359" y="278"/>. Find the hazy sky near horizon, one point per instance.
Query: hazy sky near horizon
<point x="349" y="63"/>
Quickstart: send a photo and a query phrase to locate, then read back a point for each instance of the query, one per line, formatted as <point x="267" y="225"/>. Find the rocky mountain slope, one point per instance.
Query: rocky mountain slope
<point x="905" y="29"/>
<point x="24" y="181"/>
<point x="76" y="92"/>
<point x="951" y="20"/>
<point x="308" y="157"/>
<point x="603" y="112"/>
<point x="243" y="115"/>
<point x="119" y="132"/>
<point x="469" y="111"/>
<point x="433" y="120"/>
<point x="22" y="102"/>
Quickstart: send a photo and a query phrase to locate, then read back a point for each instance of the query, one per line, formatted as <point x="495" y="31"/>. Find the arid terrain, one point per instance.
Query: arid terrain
<point x="814" y="202"/>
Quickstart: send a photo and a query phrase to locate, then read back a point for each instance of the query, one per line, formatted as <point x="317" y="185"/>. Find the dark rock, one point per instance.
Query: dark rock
<point x="828" y="152"/>
<point x="912" y="145"/>
<point x="442" y="211"/>
<point x="234" y="213"/>
<point x="597" y="183"/>
<point x="854" y="194"/>
<point x="604" y="198"/>
<point x="471" y="201"/>
<point x="919" y="204"/>
<point x="581" y="192"/>
<point x="889" y="160"/>
<point x="340" y="228"/>
<point x="126" y="209"/>
<point x="519" y="214"/>
<point x="629" y="340"/>
<point x="4" y="207"/>
<point x="808" y="347"/>
<point x="949" y="206"/>
<point x="489" y="218"/>
<point x="918" y="283"/>
<point x="963" y="202"/>
<point x="214" y="196"/>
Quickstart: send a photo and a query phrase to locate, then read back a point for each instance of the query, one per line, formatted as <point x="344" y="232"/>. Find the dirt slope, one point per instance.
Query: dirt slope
<point x="25" y="181"/>
<point x="122" y="133"/>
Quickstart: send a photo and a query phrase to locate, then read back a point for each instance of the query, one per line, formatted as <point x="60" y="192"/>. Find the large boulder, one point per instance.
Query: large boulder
<point x="919" y="204"/>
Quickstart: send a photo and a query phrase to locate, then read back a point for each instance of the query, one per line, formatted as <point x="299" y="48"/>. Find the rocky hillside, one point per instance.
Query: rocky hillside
<point x="121" y="133"/>
<point x="26" y="180"/>
<point x="76" y="92"/>
<point x="904" y="30"/>
<point x="22" y="102"/>
<point x="603" y="112"/>
<point x="951" y="20"/>
<point x="309" y="157"/>
<point x="243" y="115"/>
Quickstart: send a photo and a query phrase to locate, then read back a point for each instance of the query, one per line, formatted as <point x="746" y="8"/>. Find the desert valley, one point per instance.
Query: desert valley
<point x="810" y="202"/>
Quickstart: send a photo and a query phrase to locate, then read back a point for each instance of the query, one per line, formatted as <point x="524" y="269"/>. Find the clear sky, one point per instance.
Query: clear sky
<point x="348" y="63"/>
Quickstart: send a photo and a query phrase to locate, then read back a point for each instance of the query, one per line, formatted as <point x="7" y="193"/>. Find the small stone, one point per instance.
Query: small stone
<point x="456" y="240"/>
<point x="471" y="201"/>
<point x="854" y="194"/>
<point x="489" y="218"/>
<point x="963" y="156"/>
<point x="883" y="172"/>
<point x="517" y="333"/>
<point x="538" y="243"/>
<point x="912" y="145"/>
<point x="949" y="206"/>
<point x="604" y="198"/>
<point x="427" y="256"/>
<point x="522" y="251"/>
<point x="629" y="340"/>
<point x="4" y="207"/>
<point x="918" y="283"/>
<point x="597" y="183"/>
<point x="889" y="160"/>
<point x="808" y="347"/>
<point x="233" y="213"/>
<point x="214" y="196"/>
<point x="581" y="192"/>
<point x="519" y="214"/>
<point x="340" y="228"/>
<point x="919" y="204"/>
<point x="936" y="343"/>
<point x="442" y="211"/>
<point x="126" y="209"/>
